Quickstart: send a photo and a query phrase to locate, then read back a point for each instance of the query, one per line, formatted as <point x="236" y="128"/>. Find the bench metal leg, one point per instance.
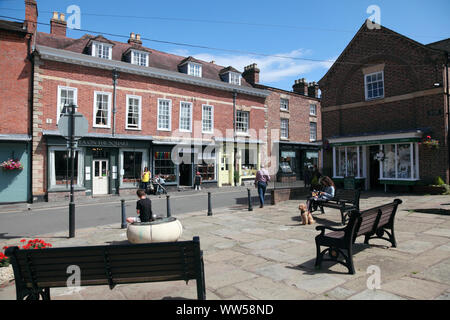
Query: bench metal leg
<point x="319" y="256"/>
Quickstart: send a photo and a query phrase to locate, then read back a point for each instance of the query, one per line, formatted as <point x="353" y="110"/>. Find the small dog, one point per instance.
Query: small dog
<point x="302" y="208"/>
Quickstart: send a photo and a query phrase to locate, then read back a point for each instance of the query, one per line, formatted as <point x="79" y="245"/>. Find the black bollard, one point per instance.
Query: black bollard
<point x="124" y="215"/>
<point x="169" y="214"/>
<point x="250" y="206"/>
<point x="209" y="204"/>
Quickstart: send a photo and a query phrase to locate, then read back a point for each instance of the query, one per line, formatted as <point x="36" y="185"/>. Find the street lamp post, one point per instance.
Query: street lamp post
<point x="72" y="170"/>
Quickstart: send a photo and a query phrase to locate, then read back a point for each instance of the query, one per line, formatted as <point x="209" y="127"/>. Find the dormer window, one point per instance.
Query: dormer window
<point x="234" y="78"/>
<point x="194" y="69"/>
<point x="102" y="50"/>
<point x="140" y="58"/>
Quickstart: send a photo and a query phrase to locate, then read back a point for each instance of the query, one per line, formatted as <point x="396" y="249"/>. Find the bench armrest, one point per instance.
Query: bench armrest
<point x="323" y="228"/>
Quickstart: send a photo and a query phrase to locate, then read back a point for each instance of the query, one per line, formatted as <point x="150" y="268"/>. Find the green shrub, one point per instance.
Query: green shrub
<point x="439" y="181"/>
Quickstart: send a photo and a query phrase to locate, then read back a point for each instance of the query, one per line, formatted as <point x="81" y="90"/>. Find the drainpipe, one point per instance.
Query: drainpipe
<point x="30" y="122"/>
<point x="234" y="136"/>
<point x="448" y="111"/>
<point x="115" y="76"/>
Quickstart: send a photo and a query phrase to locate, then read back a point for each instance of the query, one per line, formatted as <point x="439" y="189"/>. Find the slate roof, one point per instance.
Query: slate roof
<point x="157" y="59"/>
<point x="12" y="26"/>
<point x="441" y="45"/>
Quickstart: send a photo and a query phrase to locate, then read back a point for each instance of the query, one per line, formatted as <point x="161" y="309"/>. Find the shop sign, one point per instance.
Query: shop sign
<point x="103" y="143"/>
<point x="370" y="142"/>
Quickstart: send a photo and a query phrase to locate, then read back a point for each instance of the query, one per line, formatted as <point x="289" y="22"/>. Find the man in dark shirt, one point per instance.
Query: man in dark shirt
<point x="143" y="208"/>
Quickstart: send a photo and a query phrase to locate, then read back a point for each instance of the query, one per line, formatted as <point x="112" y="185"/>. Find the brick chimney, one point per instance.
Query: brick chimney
<point x="31" y="14"/>
<point x="58" y="25"/>
<point x="300" y="86"/>
<point x="251" y="74"/>
<point x="313" y="89"/>
<point x="135" y="39"/>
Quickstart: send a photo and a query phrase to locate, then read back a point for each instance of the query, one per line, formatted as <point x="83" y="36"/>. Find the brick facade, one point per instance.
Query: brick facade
<point x="411" y="99"/>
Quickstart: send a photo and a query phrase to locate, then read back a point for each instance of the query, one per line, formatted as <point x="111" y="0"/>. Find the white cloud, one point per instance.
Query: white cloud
<point x="273" y="68"/>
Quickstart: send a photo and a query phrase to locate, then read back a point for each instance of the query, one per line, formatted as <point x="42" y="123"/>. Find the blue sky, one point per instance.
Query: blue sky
<point x="317" y="30"/>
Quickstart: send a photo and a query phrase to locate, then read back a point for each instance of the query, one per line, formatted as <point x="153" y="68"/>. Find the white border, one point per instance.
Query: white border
<point x="170" y="116"/>
<point x="140" y="112"/>
<point x="94" y="109"/>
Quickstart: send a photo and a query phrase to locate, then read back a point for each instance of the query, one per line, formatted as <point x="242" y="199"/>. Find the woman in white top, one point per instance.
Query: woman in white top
<point x="320" y="196"/>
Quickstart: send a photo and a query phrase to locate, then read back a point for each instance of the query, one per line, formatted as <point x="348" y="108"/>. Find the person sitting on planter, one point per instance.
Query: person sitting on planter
<point x="143" y="209"/>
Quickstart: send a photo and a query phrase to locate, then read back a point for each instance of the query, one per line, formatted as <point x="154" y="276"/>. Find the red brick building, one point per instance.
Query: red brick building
<point x="15" y="106"/>
<point x="294" y="125"/>
<point x="384" y="109"/>
<point x="145" y="108"/>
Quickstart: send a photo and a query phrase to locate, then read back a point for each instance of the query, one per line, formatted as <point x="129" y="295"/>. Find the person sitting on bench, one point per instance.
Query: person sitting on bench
<point x="319" y="196"/>
<point x="143" y="208"/>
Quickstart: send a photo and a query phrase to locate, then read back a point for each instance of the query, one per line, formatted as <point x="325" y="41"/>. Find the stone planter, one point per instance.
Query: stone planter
<point x="160" y="230"/>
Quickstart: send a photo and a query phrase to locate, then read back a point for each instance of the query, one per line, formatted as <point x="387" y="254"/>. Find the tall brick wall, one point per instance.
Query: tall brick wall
<point x="14" y="83"/>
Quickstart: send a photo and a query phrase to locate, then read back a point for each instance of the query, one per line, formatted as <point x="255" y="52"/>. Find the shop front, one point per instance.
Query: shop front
<point x="295" y="158"/>
<point x="377" y="161"/>
<point x="102" y="166"/>
<point x="15" y="168"/>
<point x="178" y="163"/>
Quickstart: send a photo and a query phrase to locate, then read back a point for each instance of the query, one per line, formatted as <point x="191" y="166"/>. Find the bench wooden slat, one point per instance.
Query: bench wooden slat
<point x="44" y="268"/>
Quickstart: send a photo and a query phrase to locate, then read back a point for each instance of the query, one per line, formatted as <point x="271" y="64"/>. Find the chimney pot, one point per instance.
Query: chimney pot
<point x="138" y="37"/>
<point x="300" y="86"/>
<point x="251" y="74"/>
<point x="58" y="26"/>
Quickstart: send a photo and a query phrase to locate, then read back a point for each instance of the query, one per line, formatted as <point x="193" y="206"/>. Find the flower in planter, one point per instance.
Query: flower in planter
<point x="430" y="143"/>
<point x="11" y="164"/>
<point x="32" y="244"/>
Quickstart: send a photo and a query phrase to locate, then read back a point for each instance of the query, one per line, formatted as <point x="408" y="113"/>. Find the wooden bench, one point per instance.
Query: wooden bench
<point x="36" y="271"/>
<point x="371" y="223"/>
<point x="344" y="200"/>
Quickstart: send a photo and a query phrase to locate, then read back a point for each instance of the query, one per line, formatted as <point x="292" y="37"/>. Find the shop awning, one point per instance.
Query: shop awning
<point x="378" y="138"/>
<point x="15" y="137"/>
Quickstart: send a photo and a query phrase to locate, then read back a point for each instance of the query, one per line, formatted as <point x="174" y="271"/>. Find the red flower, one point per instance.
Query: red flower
<point x="23" y="240"/>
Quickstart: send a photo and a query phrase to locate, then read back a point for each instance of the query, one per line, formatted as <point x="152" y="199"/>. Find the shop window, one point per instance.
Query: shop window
<point x="132" y="167"/>
<point x="207" y="165"/>
<point x="399" y="161"/>
<point x="164" y="166"/>
<point x="249" y="161"/>
<point x="348" y="161"/>
<point x="60" y="168"/>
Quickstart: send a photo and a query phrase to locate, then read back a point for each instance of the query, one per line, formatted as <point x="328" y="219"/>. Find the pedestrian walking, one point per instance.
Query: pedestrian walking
<point x="197" y="181"/>
<point x="261" y="181"/>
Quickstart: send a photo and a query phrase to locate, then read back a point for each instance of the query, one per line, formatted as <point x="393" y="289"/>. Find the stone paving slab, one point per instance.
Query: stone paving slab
<point x="268" y="254"/>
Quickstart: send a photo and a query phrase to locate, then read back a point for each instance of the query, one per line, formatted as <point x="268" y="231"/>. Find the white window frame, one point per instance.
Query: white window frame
<point x="248" y="122"/>
<point x="51" y="167"/>
<point x="314" y="108"/>
<point x="237" y="77"/>
<point x="94" y="114"/>
<point x="136" y="61"/>
<point x="287" y="128"/>
<point x="361" y="154"/>
<point x="139" y="98"/>
<point x="59" y="106"/>
<point x="414" y="162"/>
<point x="170" y="116"/>
<point x="190" y="116"/>
<point x="191" y="69"/>
<point x="366" y="91"/>
<point x="281" y="104"/>
<point x="203" y="118"/>
<point x="95" y="46"/>
<point x="315" y="139"/>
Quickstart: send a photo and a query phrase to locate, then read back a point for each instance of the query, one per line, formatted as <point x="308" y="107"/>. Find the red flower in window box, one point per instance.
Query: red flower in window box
<point x="430" y="143"/>
<point x="11" y="164"/>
